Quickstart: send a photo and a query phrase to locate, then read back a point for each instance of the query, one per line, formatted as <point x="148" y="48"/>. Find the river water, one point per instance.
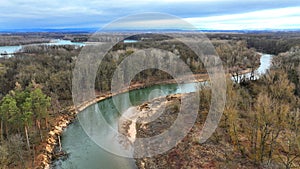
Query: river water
<point x="85" y="154"/>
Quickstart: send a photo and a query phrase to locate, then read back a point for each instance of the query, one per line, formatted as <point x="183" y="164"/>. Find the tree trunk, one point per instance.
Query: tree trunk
<point x="27" y="138"/>
<point x="33" y="155"/>
<point x="39" y="127"/>
<point x="1" y="130"/>
<point x="59" y="142"/>
<point x="46" y="121"/>
<point x="6" y="130"/>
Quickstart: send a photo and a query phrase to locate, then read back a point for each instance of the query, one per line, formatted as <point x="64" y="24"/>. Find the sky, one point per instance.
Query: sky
<point x="202" y="14"/>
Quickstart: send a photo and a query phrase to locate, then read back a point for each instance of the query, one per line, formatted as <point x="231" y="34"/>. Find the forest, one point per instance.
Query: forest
<point x="260" y="121"/>
<point x="11" y="39"/>
<point x="259" y="127"/>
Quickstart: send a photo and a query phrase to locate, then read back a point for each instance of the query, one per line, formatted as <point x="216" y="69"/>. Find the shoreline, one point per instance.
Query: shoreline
<point x="68" y="115"/>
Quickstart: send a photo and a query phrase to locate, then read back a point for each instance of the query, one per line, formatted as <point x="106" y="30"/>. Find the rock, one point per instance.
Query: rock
<point x="49" y="148"/>
<point x="51" y="140"/>
<point x="47" y="166"/>
<point x="51" y="133"/>
<point x="144" y="106"/>
<point x="58" y="128"/>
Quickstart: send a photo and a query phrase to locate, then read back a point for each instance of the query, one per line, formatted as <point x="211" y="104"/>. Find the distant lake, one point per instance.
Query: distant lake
<point x="130" y="41"/>
<point x="64" y="42"/>
<point x="10" y="50"/>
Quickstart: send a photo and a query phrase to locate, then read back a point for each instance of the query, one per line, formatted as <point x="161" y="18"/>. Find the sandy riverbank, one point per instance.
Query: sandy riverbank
<point x="143" y="114"/>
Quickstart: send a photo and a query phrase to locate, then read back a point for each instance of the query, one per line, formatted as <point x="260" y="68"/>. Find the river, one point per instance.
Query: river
<point x="85" y="154"/>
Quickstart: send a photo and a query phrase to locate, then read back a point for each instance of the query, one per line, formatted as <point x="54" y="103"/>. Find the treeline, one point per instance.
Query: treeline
<point x="261" y="118"/>
<point x="14" y="39"/>
<point x="290" y="63"/>
<point x="236" y="56"/>
<point x="23" y="114"/>
<point x="34" y="88"/>
<point x="265" y="42"/>
<point x="272" y="46"/>
<point x="49" y="66"/>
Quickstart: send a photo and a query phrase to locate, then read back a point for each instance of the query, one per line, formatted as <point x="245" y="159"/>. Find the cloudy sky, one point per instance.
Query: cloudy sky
<point x="203" y="14"/>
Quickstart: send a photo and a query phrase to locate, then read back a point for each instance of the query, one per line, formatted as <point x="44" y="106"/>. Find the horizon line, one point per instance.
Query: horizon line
<point x="90" y="30"/>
